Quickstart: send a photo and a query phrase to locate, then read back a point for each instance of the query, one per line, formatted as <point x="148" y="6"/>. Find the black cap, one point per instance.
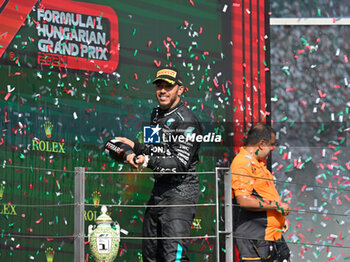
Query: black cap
<point x="168" y="74"/>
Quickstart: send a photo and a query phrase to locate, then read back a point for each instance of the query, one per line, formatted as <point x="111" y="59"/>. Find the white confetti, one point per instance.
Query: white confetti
<point x="124" y="231"/>
<point x="337" y="52"/>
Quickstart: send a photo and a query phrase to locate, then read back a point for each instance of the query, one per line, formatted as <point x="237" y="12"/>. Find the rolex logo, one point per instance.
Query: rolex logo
<point x="96" y="196"/>
<point x="196" y="223"/>
<point x="48" y="145"/>
<point x="50" y="252"/>
<point x="2" y="189"/>
<point x="48" y="128"/>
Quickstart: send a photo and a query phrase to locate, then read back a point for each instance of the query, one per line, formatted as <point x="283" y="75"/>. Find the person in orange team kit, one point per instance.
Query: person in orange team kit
<point x="260" y="218"/>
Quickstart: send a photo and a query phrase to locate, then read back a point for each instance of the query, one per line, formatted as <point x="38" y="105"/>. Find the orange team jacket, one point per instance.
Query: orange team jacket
<point x="246" y="180"/>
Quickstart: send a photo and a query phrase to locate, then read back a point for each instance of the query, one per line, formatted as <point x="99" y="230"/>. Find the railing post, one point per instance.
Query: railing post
<point x="228" y="216"/>
<point x="217" y="203"/>
<point x="79" y="193"/>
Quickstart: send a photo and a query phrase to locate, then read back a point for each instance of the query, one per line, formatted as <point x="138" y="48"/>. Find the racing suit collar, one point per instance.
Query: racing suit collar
<point x="170" y="110"/>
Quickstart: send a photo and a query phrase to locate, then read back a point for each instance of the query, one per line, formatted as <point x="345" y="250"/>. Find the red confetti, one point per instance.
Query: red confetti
<point x="320" y="93"/>
<point x="303" y="188"/>
<point x="7" y="96"/>
<point x="131" y="115"/>
<point x="157" y="63"/>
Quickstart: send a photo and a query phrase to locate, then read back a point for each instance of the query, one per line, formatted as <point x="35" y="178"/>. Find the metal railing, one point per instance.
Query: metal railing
<point x="222" y="181"/>
<point x="79" y="194"/>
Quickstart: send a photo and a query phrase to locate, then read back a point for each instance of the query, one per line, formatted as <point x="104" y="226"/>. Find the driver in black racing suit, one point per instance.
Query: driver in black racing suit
<point x="177" y="153"/>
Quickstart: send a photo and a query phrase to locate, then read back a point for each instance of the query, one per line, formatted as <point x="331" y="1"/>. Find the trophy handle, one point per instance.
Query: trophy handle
<point x="89" y="231"/>
<point x="117" y="230"/>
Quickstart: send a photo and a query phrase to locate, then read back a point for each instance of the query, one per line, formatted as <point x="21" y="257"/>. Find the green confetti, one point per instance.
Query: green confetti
<point x="304" y="41"/>
<point x="288" y="167"/>
<point x="287" y="72"/>
<point x="307" y="160"/>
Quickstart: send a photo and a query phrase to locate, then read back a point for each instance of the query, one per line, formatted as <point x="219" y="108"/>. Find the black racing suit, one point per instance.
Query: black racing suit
<point x="173" y="154"/>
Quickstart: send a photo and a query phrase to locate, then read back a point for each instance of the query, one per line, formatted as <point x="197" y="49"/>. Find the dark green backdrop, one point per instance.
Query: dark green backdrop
<point x="87" y="108"/>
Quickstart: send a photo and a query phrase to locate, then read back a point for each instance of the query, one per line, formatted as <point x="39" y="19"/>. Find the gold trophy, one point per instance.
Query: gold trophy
<point x="104" y="239"/>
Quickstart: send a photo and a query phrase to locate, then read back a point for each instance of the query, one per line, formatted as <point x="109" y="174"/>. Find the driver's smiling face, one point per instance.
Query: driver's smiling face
<point x="168" y="95"/>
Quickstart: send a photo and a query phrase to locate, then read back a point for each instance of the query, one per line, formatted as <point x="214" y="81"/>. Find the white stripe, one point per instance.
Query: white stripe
<point x="169" y="113"/>
<point x="310" y="21"/>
